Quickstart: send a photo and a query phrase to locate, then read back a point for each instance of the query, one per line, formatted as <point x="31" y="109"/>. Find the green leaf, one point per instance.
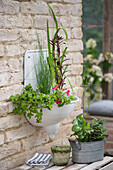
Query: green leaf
<point x="48" y="40"/>
<point x="63" y="55"/>
<point x="57" y="31"/>
<point x="54" y="17"/>
<point x="101" y="121"/>
<point x="69" y="83"/>
<point x="87" y="126"/>
<point x="75" y="122"/>
<point x="65" y="68"/>
<point x="94" y="120"/>
<point x="29" y="115"/>
<point x="75" y="128"/>
<point x="65" y="33"/>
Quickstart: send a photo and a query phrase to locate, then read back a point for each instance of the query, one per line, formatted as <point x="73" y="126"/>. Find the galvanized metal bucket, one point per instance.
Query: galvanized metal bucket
<point x="87" y="152"/>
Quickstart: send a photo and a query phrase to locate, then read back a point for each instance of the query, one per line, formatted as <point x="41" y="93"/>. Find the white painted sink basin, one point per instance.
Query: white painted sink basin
<point x="52" y="118"/>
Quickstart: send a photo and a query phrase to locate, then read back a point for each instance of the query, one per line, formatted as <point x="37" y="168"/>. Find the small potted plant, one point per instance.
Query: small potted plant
<point x="60" y="154"/>
<point x="88" y="144"/>
<point x="49" y="103"/>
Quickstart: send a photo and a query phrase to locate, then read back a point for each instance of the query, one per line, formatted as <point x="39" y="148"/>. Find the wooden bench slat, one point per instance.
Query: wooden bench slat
<point x="108" y="167"/>
<point x="99" y="164"/>
<point x="69" y="166"/>
<point x="75" y="166"/>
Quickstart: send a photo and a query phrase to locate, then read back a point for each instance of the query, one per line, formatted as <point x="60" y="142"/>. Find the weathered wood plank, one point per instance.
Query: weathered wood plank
<point x="99" y="164"/>
<point x="75" y="166"/>
<point x="23" y="167"/>
<point x="60" y="167"/>
<point x="56" y="168"/>
<point x="108" y="41"/>
<point x="108" y="167"/>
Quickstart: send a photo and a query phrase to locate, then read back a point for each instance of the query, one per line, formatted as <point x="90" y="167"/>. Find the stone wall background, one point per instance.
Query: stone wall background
<point x="19" y="22"/>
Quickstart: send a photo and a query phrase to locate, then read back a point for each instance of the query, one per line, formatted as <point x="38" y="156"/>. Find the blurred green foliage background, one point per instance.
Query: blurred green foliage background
<point x="92" y="20"/>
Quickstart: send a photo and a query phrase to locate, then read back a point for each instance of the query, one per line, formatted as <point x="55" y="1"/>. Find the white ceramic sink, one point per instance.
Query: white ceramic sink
<point x="52" y="118"/>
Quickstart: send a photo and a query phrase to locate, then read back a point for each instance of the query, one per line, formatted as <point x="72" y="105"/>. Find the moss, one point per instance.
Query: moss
<point x="61" y="148"/>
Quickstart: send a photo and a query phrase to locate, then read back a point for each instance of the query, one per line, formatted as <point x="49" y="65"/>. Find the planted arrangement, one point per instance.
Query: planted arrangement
<point x="32" y="102"/>
<point x="88" y="144"/>
<point x="50" y="75"/>
<point x="85" y="131"/>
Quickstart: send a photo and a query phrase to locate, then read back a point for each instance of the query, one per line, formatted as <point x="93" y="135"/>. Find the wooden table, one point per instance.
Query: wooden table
<point x="105" y="164"/>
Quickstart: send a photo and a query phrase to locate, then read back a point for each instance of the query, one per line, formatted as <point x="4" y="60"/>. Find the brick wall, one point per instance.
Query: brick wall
<point x="19" y="20"/>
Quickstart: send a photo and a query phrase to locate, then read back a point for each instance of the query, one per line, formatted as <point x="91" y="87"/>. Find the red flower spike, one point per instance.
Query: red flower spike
<point x="68" y="91"/>
<point x="58" y="102"/>
<point x="55" y="87"/>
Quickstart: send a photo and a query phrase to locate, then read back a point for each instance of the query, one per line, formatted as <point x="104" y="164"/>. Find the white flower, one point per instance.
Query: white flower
<point x="95" y="68"/>
<point x="88" y="76"/>
<point x="109" y="56"/>
<point x="88" y="57"/>
<point x="99" y="73"/>
<point x="91" y="79"/>
<point x="101" y="58"/>
<point x="100" y="79"/>
<point x="95" y="61"/>
<point x="108" y="77"/>
<point x="91" y="43"/>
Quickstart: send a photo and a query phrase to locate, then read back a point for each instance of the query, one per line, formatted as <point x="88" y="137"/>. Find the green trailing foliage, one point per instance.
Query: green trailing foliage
<point x="31" y="102"/>
<point x="88" y="132"/>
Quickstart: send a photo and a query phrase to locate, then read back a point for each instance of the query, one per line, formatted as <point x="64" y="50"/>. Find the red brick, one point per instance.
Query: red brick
<point x="109" y="145"/>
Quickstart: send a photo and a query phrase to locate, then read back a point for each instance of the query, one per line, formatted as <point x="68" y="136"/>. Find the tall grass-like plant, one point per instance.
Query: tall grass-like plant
<point x="42" y="72"/>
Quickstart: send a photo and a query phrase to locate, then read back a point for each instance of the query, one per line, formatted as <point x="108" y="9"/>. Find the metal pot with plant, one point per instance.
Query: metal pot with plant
<point x="88" y="144"/>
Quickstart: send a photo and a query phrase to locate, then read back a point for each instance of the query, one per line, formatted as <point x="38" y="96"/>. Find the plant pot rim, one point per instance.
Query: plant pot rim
<point x="86" y="142"/>
<point x="60" y="148"/>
